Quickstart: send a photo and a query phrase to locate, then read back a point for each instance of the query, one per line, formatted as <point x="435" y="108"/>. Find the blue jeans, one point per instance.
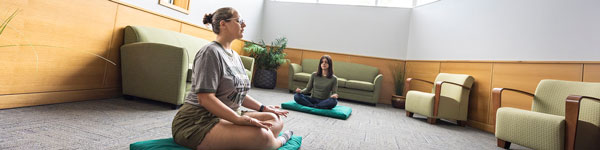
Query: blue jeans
<point x="305" y="100"/>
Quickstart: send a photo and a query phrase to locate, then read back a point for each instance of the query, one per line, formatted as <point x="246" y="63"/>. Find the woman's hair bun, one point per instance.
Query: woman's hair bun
<point x="207" y="19"/>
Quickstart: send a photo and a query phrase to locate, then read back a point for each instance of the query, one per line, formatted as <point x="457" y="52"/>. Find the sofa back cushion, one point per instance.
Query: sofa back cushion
<point x="346" y="70"/>
<point x="309" y="65"/>
<point x="352" y="71"/>
<point x="155" y="35"/>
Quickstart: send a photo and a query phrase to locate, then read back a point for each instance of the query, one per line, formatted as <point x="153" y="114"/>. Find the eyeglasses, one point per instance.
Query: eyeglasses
<point x="238" y="20"/>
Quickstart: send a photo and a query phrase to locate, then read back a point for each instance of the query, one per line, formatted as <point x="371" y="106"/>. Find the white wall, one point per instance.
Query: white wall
<point x="249" y="10"/>
<point x="533" y="30"/>
<point x="359" y="30"/>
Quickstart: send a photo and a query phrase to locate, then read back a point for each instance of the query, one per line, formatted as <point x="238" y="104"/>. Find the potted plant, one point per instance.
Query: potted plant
<point x="268" y="59"/>
<point x="397" y="99"/>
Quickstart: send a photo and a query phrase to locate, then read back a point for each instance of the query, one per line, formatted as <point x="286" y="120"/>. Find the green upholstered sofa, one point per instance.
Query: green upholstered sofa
<point x="156" y="63"/>
<point x="563" y="115"/>
<point x="355" y="81"/>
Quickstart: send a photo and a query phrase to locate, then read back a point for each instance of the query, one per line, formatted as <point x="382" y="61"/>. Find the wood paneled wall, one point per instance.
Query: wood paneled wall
<point x="73" y="31"/>
<point x="518" y="75"/>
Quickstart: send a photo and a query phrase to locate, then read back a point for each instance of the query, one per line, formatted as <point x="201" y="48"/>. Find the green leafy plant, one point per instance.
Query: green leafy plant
<point x="398" y="79"/>
<point x="5" y="24"/>
<point x="267" y="57"/>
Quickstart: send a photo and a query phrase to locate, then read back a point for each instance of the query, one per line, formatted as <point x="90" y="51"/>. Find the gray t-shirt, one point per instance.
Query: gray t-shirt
<point x="219" y="71"/>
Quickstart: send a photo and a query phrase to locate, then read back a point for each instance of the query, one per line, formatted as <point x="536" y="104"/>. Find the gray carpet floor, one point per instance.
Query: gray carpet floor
<point x="115" y="123"/>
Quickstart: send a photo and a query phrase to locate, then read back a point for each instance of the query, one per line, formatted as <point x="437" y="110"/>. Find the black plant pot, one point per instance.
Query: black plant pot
<point x="266" y="79"/>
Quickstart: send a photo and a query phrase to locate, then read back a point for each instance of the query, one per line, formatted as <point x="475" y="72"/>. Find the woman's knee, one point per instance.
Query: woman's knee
<point x="297" y="96"/>
<point x="271" y="116"/>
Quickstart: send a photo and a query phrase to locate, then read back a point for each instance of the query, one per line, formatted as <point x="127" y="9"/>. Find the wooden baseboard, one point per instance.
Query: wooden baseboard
<point x="482" y="126"/>
<point x="33" y="99"/>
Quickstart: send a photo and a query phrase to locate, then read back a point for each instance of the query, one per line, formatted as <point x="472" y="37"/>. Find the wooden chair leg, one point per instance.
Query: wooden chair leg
<point x="409" y="114"/>
<point x="461" y="123"/>
<point x="503" y="144"/>
<point x="431" y="120"/>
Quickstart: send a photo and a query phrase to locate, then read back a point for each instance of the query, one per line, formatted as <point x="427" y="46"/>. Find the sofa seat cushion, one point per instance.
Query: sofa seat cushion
<point x="361" y="85"/>
<point x="341" y="82"/>
<point x="301" y="76"/>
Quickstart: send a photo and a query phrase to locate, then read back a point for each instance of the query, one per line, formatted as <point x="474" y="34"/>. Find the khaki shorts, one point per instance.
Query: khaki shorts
<point x="191" y="124"/>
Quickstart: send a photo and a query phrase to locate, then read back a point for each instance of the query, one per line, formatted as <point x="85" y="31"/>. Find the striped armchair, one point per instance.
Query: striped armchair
<point x="564" y="114"/>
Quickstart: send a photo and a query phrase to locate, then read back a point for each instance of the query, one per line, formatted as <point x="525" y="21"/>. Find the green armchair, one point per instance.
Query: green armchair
<point x="564" y="115"/>
<point x="449" y="100"/>
<point x="156" y="64"/>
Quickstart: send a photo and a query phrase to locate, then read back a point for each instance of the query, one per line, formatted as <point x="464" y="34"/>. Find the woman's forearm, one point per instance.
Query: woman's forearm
<point x="216" y="107"/>
<point x="251" y="103"/>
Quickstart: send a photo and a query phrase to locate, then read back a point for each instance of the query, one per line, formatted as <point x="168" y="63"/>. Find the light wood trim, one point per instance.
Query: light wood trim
<point x="21" y="100"/>
<point x="336" y="53"/>
<point x="507" y="61"/>
<point x="295" y="56"/>
<point x="69" y="61"/>
<point x="178" y="6"/>
<point x="185" y="4"/>
<point x="481" y="125"/>
<point x="526" y="77"/>
<point x="422" y="70"/>
<point x="591" y="72"/>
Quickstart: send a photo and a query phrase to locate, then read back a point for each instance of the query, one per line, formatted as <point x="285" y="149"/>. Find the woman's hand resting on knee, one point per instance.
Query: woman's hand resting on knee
<point x="276" y="110"/>
<point x="249" y="121"/>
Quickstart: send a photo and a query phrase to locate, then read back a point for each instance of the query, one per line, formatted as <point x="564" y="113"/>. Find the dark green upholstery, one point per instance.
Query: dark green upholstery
<point x="156" y="63"/>
<point x="355" y="81"/>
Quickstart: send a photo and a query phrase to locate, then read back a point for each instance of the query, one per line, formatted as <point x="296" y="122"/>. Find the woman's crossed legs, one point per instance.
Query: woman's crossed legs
<point x="226" y="135"/>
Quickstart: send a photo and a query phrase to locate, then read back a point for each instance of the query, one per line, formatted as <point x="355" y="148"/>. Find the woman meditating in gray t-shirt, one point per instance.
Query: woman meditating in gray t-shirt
<point x="210" y="118"/>
<point x="322" y="86"/>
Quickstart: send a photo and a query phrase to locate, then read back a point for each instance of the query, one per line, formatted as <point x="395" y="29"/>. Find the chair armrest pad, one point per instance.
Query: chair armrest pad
<point x="153" y="68"/>
<point x="530" y="129"/>
<point x="295" y="68"/>
<point x="420" y="103"/>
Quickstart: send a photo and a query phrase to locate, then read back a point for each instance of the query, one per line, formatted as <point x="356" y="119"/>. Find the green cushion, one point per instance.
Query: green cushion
<point x="340" y="112"/>
<point x="361" y="85"/>
<point x="160" y="144"/>
<point x="168" y="144"/>
<point x="301" y="76"/>
<point x="293" y="144"/>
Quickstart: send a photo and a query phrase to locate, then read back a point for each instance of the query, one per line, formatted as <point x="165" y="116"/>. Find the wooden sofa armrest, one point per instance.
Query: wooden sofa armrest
<point x="407" y="84"/>
<point x="497" y="100"/>
<point x="438" y="92"/>
<point x="571" y="117"/>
